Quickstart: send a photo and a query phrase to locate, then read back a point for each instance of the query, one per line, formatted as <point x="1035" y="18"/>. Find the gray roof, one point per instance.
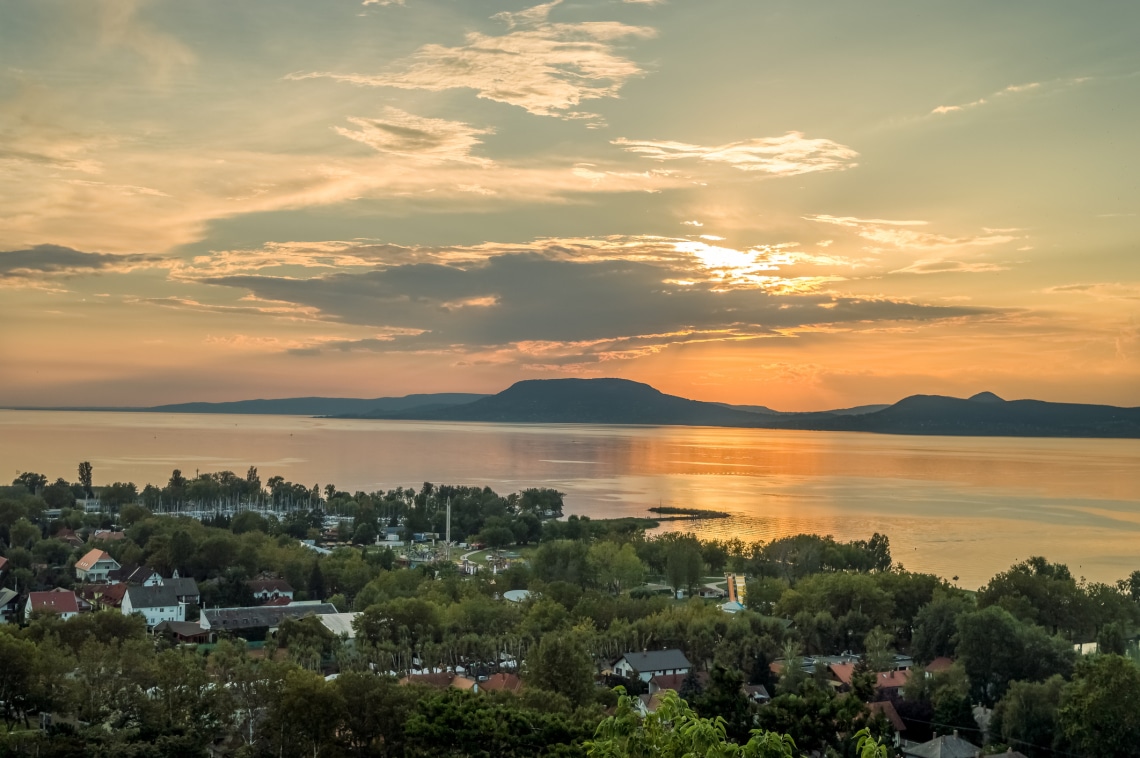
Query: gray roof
<point x="657" y="660"/>
<point x="262" y="615"/>
<point x="151" y="597"/>
<point x="946" y="746"/>
<point x="182" y="586"/>
<point x="6" y="596"/>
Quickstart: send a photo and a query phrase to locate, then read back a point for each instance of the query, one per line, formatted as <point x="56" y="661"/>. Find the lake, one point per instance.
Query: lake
<point x="956" y="506"/>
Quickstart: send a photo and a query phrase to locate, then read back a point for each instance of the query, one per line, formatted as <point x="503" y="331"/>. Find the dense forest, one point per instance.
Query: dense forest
<point x="598" y="589"/>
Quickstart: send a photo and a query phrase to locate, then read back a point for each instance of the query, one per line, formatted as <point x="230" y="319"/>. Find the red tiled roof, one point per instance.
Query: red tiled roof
<point x="940" y="663"/>
<point x="3" y="562"/>
<point x="502" y="682"/>
<point x="56" y="601"/>
<point x="887" y="708"/>
<point x="892" y="678"/>
<point x="88" y="561"/>
<point x="277" y="601"/>
<point x="843" y="671"/>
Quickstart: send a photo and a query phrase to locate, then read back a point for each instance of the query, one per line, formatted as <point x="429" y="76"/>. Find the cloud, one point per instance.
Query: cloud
<point x="1100" y="290"/>
<point x="383" y="2"/>
<point x="789" y="155"/>
<point x="432" y="139"/>
<point x="544" y="67"/>
<point x="1013" y="89"/>
<point x="904" y="234"/>
<point x="54" y="261"/>
<point x="939" y="266"/>
<point x="120" y="26"/>
<point x="646" y="293"/>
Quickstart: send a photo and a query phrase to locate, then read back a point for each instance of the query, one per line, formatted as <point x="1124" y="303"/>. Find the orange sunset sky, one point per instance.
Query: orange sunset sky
<point x="800" y="205"/>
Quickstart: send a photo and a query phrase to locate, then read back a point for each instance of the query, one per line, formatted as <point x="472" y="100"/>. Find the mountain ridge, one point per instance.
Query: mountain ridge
<point x="620" y="401"/>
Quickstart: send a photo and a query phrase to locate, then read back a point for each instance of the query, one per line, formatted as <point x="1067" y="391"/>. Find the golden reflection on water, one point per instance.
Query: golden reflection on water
<point x="963" y="506"/>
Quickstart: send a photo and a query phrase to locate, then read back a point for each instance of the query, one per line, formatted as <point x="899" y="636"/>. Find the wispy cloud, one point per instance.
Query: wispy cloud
<point x="122" y="26"/>
<point x="939" y="266"/>
<point x="790" y="155"/>
<point x="905" y="234"/>
<point x="1011" y="90"/>
<point x="544" y="67"/>
<point x="402" y="133"/>
<point x="1100" y="290"/>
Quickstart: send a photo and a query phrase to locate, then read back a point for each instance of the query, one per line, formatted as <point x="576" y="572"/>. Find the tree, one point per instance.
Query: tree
<point x="496" y="533"/>
<point x="316" y="582"/>
<point x="996" y="649"/>
<point x="379" y="708"/>
<point x="249" y="521"/>
<point x="32" y="481"/>
<point x="1100" y="708"/>
<point x="1026" y="717"/>
<point x="615" y="568"/>
<point x="683" y="563"/>
<point x="24" y="533"/>
<point x="936" y="626"/>
<point x="85" y="478"/>
<point x="724" y="697"/>
<point x="561" y="664"/>
<point x="58" y="495"/>
<point x="307" y="711"/>
<point x="675" y="729"/>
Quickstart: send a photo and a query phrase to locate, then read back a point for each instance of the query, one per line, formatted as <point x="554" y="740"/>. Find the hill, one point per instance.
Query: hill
<point x="989" y="415"/>
<point x="619" y="401"/>
<point x="583" y="401"/>
<point x="319" y="406"/>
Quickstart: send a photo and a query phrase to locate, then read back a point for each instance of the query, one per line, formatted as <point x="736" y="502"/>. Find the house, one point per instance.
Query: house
<point x="887" y="683"/>
<point x="652" y="663"/>
<point x="96" y="566"/>
<point x="8" y="605"/>
<point x="887" y="709"/>
<point x="143" y="576"/>
<point x="155" y="604"/>
<point x="757" y="693"/>
<point x="268" y="589"/>
<point x="3" y="564"/>
<point x="939" y="664"/>
<point x="182" y="632"/>
<point x="647" y="704"/>
<point x="110" y="596"/>
<point x="502" y="683"/>
<point x="107" y="535"/>
<point x="340" y="624"/>
<point x="58" y="601"/>
<point x="260" y="616"/>
<point x="675" y="682"/>
<point x="946" y="746"/>
<point x="185" y="589"/>
<point x="69" y="536"/>
<point x="441" y="680"/>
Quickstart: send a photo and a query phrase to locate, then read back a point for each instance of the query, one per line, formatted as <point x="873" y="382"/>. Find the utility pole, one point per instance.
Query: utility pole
<point x="448" y="528"/>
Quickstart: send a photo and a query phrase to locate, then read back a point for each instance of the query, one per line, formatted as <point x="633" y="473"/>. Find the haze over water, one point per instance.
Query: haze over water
<point x="955" y="506"/>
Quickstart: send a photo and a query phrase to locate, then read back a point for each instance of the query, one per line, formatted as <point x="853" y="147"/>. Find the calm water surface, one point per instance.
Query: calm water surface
<point x="965" y="506"/>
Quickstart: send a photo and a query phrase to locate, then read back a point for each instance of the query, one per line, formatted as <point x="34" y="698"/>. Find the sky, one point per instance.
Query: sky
<point x="802" y="205"/>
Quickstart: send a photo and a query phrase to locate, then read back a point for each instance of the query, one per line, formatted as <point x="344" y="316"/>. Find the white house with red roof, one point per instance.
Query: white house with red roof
<point x="58" y="601"/>
<point x="96" y="566"/>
